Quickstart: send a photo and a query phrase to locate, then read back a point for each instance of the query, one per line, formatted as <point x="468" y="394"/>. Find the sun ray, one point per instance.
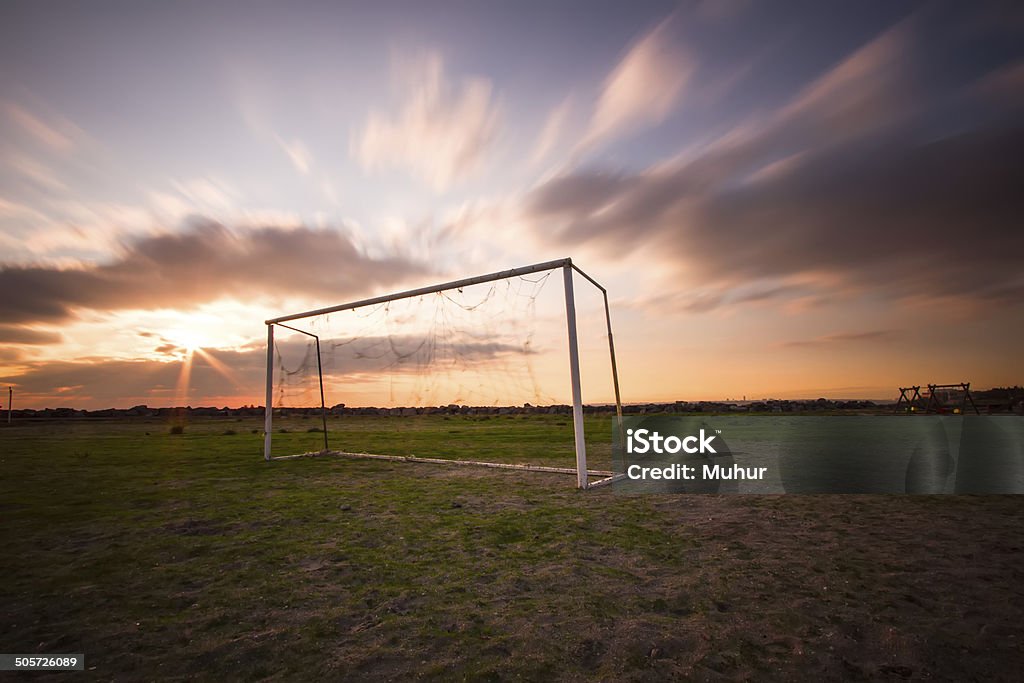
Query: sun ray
<point x="184" y="379"/>
<point x="219" y="367"/>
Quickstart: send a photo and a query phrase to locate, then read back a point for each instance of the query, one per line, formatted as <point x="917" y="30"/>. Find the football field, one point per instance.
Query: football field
<point x="163" y="555"/>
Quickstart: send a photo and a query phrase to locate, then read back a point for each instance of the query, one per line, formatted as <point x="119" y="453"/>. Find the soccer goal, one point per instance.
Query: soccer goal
<point x="432" y="348"/>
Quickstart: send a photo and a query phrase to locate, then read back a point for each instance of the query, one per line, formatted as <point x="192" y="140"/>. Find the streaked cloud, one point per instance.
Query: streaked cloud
<point x="893" y="220"/>
<point x="643" y="89"/>
<point x="16" y="334"/>
<point x="836" y="186"/>
<point x="36" y="172"/>
<point x="716" y="11"/>
<point x="54" y="133"/>
<point x="204" y="263"/>
<point x="870" y="336"/>
<point x="1004" y="84"/>
<point x="206" y="193"/>
<point x="87" y="381"/>
<point x="553" y="131"/>
<point x="91" y="228"/>
<point x="441" y="131"/>
<point x="705" y="299"/>
<point x="298" y="154"/>
<point x="874" y="86"/>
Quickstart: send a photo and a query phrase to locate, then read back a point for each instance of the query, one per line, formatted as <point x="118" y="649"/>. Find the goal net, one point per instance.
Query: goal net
<point x="500" y="346"/>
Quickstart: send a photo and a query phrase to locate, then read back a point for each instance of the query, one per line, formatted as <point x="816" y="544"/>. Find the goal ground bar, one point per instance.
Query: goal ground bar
<point x="443" y="461"/>
<point x="606" y="481"/>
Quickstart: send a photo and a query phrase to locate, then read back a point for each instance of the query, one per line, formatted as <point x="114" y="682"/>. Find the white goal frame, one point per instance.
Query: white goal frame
<point x="568" y="267"/>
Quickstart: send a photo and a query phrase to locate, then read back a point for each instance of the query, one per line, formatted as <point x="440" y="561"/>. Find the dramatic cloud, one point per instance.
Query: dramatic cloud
<point x="839" y="185"/>
<point x="203" y="264"/>
<point x="13" y="334"/>
<point x="88" y="382"/>
<point x="643" y="89"/>
<point x="441" y="133"/>
<point x="688" y="301"/>
<point x="369" y="359"/>
<point x="941" y="218"/>
<point x="872" y="336"/>
<point x="874" y="86"/>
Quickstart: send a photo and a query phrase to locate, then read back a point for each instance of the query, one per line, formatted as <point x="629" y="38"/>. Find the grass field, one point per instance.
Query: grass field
<point x="164" y="556"/>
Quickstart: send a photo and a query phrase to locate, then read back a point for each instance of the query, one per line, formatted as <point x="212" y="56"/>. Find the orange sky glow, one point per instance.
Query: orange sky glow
<point x="785" y="205"/>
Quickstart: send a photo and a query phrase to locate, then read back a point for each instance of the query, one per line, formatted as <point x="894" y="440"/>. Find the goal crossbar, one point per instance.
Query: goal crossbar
<point x="567" y="266"/>
<point x="432" y="289"/>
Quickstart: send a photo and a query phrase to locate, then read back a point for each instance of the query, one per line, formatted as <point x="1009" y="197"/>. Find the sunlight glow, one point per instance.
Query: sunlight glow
<point x="191" y="339"/>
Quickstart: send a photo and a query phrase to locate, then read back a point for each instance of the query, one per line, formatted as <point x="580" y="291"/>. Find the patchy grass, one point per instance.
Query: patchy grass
<point x="179" y="556"/>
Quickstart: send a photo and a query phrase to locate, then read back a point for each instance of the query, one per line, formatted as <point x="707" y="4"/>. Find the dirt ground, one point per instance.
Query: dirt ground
<point x="186" y="556"/>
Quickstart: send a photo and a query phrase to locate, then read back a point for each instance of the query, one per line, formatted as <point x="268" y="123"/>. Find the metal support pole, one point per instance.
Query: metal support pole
<point x="323" y="406"/>
<point x="10" y="403"/>
<point x="574" y="371"/>
<point x="268" y="420"/>
<point x="611" y="351"/>
<point x="320" y="374"/>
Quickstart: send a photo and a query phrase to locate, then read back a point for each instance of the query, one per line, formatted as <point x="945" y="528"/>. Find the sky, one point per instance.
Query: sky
<point x="784" y="199"/>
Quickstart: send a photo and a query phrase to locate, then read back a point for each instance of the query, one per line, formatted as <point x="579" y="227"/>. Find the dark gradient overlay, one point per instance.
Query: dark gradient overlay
<point x="835" y="454"/>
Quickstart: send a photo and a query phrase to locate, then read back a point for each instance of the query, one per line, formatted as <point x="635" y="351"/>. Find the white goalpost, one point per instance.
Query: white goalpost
<point x="583" y="475"/>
